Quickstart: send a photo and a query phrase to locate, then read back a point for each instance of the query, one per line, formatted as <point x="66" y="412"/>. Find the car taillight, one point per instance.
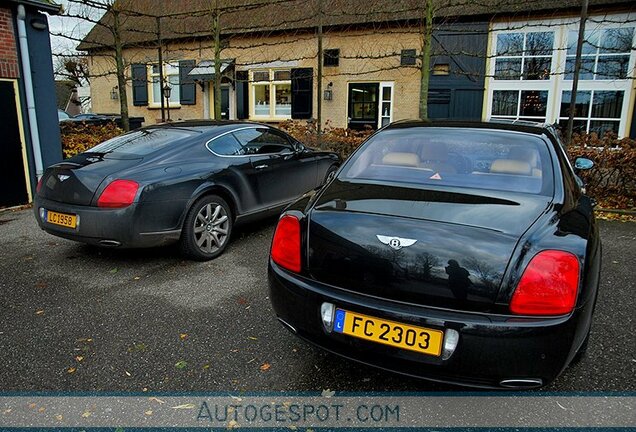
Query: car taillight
<point x="548" y="286"/>
<point x="286" y="243"/>
<point x="39" y="185"/>
<point x="119" y="193"/>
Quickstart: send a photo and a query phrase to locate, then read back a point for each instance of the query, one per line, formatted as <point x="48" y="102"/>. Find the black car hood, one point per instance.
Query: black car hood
<point x="461" y="242"/>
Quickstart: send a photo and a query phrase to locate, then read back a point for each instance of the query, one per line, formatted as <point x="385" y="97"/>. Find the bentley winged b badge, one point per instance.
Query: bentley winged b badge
<point x="396" y="243"/>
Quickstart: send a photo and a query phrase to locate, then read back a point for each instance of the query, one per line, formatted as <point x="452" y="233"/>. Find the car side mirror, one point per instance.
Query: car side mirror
<point x="582" y="164"/>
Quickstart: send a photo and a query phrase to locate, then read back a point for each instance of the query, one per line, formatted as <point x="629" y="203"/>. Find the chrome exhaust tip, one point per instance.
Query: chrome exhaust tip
<point x="288" y="325"/>
<point x="109" y="243"/>
<point x="521" y="383"/>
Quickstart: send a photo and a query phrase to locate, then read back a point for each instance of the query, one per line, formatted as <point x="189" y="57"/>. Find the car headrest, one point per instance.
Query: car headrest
<point x="402" y="159"/>
<point x="508" y="166"/>
<point x="435" y="151"/>
<point x="526" y="154"/>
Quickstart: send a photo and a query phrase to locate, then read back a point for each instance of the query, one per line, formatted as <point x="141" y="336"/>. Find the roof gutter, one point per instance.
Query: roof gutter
<point x="28" y="86"/>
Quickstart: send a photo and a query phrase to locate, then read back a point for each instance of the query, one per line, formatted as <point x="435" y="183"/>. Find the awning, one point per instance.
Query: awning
<point x="204" y="71"/>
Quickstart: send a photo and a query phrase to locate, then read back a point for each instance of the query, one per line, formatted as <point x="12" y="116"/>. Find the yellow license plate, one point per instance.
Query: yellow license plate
<point x="405" y="336"/>
<point x="62" y="219"/>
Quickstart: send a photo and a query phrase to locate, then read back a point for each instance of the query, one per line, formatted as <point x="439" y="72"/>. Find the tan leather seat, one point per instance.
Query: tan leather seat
<point x="401" y="159"/>
<point x="526" y="154"/>
<point x="509" y="166"/>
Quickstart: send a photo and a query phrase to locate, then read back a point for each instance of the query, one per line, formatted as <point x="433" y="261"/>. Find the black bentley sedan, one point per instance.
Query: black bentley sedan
<point x="189" y="182"/>
<point x="458" y="252"/>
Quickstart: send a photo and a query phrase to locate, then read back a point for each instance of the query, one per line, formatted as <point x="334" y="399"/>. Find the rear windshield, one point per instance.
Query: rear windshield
<point x="142" y="142"/>
<point x="472" y="158"/>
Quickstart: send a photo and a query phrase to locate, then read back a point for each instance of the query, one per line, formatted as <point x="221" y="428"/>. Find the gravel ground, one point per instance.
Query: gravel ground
<point x="79" y="318"/>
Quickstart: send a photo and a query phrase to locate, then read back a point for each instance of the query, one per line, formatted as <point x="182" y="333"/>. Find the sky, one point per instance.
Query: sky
<point x="75" y="28"/>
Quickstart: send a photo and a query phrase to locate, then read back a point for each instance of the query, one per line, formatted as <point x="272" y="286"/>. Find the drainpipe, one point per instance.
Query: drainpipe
<point x="28" y="86"/>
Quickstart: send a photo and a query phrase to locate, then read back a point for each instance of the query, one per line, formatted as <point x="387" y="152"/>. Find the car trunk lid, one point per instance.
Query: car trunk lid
<point x="436" y="248"/>
<point x="75" y="181"/>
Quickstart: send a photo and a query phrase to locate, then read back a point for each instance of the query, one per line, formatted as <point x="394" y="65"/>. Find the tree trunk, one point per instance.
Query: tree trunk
<point x="216" y="30"/>
<point x="427" y="36"/>
<point x="121" y="71"/>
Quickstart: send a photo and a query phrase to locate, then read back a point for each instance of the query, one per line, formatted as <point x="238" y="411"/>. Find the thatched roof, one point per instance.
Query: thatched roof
<point x="183" y="19"/>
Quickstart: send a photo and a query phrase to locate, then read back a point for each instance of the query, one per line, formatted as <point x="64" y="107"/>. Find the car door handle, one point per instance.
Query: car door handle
<point x="261" y="167"/>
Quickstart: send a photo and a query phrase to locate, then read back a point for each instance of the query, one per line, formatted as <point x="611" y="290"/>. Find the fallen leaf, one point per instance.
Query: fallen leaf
<point x="127" y="373"/>
<point x="86" y="414"/>
<point x="42" y="409"/>
<point x="328" y="393"/>
<point x="41" y="285"/>
<point x="265" y="367"/>
<point x="71" y="370"/>
<point x="59" y="417"/>
<point x="148" y="413"/>
<point x="32" y="405"/>
<point x="39" y="312"/>
<point x="114" y="270"/>
<point x="184" y="406"/>
<point x="136" y="278"/>
<point x="155" y="399"/>
<point x="233" y="424"/>
<point x="7" y="411"/>
<point x="206" y="366"/>
<point x="183" y="336"/>
<point x="181" y="364"/>
<point x="79" y="358"/>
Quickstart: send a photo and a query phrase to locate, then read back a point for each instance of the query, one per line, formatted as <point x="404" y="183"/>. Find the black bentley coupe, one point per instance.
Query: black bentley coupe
<point x="185" y="181"/>
<point x="465" y="253"/>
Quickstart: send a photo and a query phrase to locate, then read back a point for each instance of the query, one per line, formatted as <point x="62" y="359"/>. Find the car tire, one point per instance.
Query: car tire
<point x="207" y="228"/>
<point x="331" y="172"/>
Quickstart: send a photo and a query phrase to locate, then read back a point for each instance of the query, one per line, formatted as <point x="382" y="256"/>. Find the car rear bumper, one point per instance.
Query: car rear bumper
<point x="122" y="228"/>
<point x="491" y="349"/>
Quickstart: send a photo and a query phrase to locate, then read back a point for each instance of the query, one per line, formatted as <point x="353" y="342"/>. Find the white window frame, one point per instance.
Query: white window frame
<point x="169" y="69"/>
<point x="557" y="83"/>
<point x="272" y="94"/>
<point x="381" y="100"/>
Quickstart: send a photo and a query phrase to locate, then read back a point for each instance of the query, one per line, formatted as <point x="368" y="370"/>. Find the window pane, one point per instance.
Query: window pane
<point x="612" y="67"/>
<point x="155" y="69"/>
<point x="507" y="69"/>
<point x="504" y="102"/>
<point x="582" y="107"/>
<point x="386" y="109"/>
<point x="537" y="68"/>
<point x="509" y="44"/>
<point x="607" y="104"/>
<point x="261" y="100"/>
<point x="156" y="90"/>
<point x="283" y="99"/>
<point x="586" y="72"/>
<point x="261" y="76"/>
<point x="617" y="40"/>
<point x="539" y="43"/>
<point x="175" y="93"/>
<point x="386" y="93"/>
<point x="590" y="43"/>
<point x="533" y="103"/>
<point x="282" y="75"/>
<point x="601" y="127"/>
<point x="144" y="141"/>
<point x="578" y="126"/>
<point x="227" y="145"/>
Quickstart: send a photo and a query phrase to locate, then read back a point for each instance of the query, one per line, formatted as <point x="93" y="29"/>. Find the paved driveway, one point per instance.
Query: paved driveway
<point x="77" y="318"/>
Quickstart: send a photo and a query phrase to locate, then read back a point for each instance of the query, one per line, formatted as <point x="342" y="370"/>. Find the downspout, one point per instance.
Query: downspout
<point x="28" y="87"/>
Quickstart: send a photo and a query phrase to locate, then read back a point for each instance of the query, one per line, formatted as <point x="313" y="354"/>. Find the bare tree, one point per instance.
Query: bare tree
<point x="425" y="67"/>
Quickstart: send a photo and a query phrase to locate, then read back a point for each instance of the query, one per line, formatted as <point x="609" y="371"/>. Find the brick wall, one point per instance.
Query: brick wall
<point x="8" y="51"/>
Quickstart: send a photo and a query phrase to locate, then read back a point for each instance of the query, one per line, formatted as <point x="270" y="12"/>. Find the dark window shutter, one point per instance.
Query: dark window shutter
<point x="242" y="95"/>
<point x="302" y="92"/>
<point x="139" y="84"/>
<point x="188" y="94"/>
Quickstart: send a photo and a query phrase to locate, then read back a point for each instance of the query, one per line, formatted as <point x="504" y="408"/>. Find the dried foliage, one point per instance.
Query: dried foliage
<point x="78" y="136"/>
<point x="340" y="140"/>
<point x="612" y="180"/>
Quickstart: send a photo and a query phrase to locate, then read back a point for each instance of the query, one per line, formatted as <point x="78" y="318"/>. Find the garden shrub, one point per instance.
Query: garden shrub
<point x="612" y="180"/>
<point x="78" y="137"/>
<point x="340" y="140"/>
